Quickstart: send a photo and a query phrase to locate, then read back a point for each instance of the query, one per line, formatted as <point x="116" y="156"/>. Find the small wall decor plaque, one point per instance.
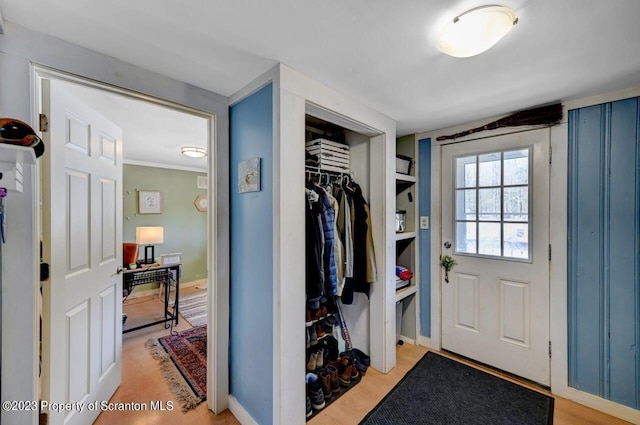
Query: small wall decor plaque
<point x="149" y="202"/>
<point x="249" y="175"/>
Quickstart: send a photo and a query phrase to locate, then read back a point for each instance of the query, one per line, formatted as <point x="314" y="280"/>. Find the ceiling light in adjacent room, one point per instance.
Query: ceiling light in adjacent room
<point x="193" y="152"/>
<point x="476" y="30"/>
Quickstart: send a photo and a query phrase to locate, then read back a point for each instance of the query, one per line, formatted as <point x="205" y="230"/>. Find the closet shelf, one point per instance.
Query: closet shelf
<point x="405" y="292"/>
<point x="406" y="178"/>
<point x="405" y="235"/>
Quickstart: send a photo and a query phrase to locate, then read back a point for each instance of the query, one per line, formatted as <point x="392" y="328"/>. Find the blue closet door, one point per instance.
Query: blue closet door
<point x="604" y="250"/>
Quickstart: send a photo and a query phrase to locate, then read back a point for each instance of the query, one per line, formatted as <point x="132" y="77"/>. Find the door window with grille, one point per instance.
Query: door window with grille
<point x="492" y="204"/>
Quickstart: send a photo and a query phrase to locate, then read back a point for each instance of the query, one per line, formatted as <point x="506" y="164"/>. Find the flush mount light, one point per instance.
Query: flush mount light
<point x="193" y="152"/>
<point x="476" y="30"/>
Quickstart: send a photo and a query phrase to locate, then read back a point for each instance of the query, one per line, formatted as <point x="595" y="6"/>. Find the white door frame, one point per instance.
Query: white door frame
<point x="558" y="320"/>
<point x="218" y="297"/>
<point x="436" y="220"/>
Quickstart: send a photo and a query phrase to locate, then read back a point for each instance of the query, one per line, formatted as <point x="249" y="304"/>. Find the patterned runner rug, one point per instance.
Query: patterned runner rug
<point x="193" y="307"/>
<point x="183" y="360"/>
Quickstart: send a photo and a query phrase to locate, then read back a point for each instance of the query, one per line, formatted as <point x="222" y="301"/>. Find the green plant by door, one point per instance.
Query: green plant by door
<point x="447" y="262"/>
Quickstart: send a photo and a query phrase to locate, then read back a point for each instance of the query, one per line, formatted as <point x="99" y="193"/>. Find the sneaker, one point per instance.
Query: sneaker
<point x="320" y="331"/>
<point x="308" y="321"/>
<point x="314" y="388"/>
<point x="309" y="409"/>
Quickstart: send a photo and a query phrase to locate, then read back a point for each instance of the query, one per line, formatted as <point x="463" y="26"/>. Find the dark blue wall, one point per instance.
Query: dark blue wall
<point x="604" y="251"/>
<point x="251" y="283"/>
<point x="424" y="186"/>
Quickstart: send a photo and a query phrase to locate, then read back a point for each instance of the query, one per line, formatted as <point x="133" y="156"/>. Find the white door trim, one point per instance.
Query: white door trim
<point x="218" y="310"/>
<point x="558" y="238"/>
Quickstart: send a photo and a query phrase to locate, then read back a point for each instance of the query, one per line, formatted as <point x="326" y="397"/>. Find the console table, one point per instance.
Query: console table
<point x="151" y="274"/>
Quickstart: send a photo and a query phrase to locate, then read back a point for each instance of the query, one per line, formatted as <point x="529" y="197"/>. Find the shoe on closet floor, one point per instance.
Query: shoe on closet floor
<point x="344" y="371"/>
<point x="333" y="379"/>
<point x="312" y="363"/>
<point x="308" y="320"/>
<point x="314" y="389"/>
<point x="356" y="359"/>
<point x="319" y="358"/>
<point x="313" y="336"/>
<point x="309" y="409"/>
<point x="325" y="378"/>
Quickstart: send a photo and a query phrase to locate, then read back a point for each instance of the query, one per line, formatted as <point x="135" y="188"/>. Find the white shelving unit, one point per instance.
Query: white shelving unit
<point x="407" y="306"/>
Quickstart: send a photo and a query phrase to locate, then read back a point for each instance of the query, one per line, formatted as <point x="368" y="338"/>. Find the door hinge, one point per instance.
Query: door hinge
<point x="44" y="123"/>
<point x="549" y="252"/>
<point x="550" y="153"/>
<point x="549" y="349"/>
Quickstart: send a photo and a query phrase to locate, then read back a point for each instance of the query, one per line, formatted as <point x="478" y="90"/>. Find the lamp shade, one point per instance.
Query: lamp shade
<point x="476" y="30"/>
<point x="149" y="235"/>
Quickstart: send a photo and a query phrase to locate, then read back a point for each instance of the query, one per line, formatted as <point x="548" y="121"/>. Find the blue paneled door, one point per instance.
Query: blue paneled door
<point x="604" y="250"/>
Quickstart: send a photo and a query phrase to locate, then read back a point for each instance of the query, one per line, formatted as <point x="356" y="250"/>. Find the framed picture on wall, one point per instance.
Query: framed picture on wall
<point x="149" y="202"/>
<point x="249" y="175"/>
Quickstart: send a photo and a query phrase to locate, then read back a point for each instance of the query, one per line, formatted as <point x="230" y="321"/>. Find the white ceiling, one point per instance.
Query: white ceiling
<point x="379" y="52"/>
<point x="152" y="134"/>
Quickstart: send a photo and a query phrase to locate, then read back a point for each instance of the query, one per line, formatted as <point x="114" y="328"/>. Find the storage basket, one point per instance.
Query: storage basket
<point x="332" y="156"/>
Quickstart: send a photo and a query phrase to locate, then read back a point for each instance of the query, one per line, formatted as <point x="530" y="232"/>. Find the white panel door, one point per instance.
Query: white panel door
<point x="82" y="227"/>
<point x="495" y="225"/>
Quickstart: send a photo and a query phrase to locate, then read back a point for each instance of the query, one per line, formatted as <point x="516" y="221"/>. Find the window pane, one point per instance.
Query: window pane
<point x="489" y="174"/>
<point x="466" y="204"/>
<point x="516" y="167"/>
<point x="516" y="203"/>
<point x="516" y="240"/>
<point x="489" y="238"/>
<point x="466" y="237"/>
<point x="466" y="172"/>
<point x="489" y="204"/>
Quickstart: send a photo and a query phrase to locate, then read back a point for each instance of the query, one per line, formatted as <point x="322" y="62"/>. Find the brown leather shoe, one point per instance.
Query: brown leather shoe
<point x="333" y="379"/>
<point x="344" y="373"/>
<point x="325" y="377"/>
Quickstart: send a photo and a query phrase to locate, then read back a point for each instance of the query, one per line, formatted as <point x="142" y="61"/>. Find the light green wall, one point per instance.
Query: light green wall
<point x="185" y="228"/>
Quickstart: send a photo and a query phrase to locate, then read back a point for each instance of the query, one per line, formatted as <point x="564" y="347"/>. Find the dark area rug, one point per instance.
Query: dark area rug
<point x="183" y="360"/>
<point x="442" y="391"/>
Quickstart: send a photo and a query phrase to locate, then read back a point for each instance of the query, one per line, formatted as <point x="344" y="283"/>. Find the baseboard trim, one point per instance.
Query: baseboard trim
<point x="603" y="405"/>
<point x="407" y="340"/>
<point x="240" y="413"/>
<point x="424" y="341"/>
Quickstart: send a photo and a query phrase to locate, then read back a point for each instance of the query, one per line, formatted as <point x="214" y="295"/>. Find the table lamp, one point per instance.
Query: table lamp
<point x="149" y="236"/>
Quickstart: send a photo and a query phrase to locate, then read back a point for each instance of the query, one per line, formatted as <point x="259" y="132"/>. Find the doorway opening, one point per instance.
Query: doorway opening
<point x="153" y="131"/>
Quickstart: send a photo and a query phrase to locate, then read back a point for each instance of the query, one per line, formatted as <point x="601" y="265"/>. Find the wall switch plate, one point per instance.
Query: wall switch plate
<point x="424" y="221"/>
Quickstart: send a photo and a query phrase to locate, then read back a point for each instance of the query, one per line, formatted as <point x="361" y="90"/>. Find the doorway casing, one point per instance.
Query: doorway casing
<point x="217" y="233"/>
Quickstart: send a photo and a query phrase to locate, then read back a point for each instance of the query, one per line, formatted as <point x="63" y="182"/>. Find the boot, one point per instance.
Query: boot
<point x="333" y="379"/>
<point x="345" y="371"/>
<point x="325" y="377"/>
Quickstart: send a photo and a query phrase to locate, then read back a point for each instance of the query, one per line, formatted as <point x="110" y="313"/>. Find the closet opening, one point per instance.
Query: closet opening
<point x="340" y="259"/>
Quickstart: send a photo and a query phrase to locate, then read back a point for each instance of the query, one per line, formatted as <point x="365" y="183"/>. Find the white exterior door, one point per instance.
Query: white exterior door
<point x="495" y="225"/>
<point x="82" y="228"/>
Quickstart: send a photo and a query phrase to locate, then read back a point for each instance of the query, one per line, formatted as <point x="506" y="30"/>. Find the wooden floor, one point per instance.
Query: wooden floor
<point x="143" y="382"/>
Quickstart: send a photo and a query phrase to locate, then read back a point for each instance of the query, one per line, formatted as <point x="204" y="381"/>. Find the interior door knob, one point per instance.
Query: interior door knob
<point x="447" y="244"/>
<point x="119" y="270"/>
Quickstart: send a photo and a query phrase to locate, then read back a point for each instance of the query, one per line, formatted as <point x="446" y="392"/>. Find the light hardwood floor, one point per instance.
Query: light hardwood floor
<point x="143" y="382"/>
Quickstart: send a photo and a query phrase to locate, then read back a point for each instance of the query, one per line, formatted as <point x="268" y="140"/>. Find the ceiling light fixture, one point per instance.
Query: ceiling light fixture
<point x="193" y="152"/>
<point x="476" y="30"/>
